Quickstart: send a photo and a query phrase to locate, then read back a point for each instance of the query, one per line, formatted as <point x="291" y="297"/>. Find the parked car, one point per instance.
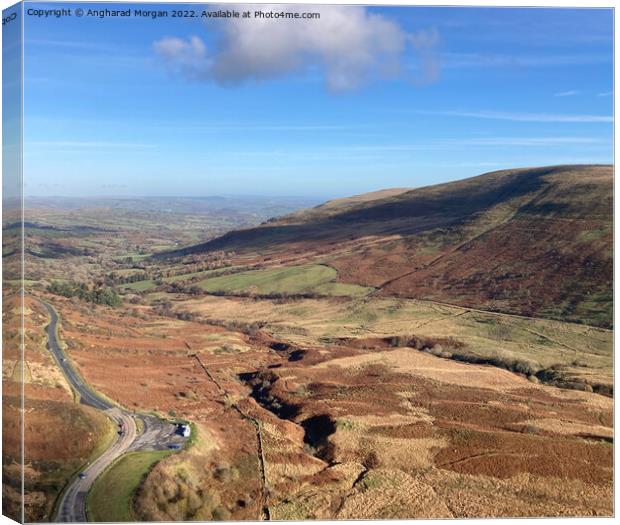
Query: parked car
<point x="183" y="430"/>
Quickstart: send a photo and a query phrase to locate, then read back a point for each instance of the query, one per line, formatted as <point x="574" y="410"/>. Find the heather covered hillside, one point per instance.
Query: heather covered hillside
<point x="535" y="242"/>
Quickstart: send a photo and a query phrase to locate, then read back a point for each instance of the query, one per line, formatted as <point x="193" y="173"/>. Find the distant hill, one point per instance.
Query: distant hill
<point x="256" y="207"/>
<point x="335" y="206"/>
<point x="534" y="241"/>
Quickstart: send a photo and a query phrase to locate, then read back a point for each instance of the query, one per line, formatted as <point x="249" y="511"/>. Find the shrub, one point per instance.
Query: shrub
<point x="96" y="294"/>
<point x="221" y="514"/>
<point x="523" y="366"/>
<point x="225" y="473"/>
<point x="371" y="460"/>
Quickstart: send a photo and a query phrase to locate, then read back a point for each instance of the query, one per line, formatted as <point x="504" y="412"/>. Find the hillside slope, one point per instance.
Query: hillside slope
<point x="528" y="241"/>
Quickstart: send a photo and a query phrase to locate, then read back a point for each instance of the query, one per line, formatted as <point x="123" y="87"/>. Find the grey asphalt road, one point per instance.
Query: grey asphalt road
<point x="72" y="507"/>
<point x="155" y="433"/>
<point x="87" y="396"/>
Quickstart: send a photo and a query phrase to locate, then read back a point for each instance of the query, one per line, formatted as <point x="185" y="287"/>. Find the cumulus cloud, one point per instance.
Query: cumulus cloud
<point x="189" y="55"/>
<point x="348" y="44"/>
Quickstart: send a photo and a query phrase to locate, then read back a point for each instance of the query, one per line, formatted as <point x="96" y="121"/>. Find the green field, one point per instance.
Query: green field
<point x="202" y="273"/>
<point x="135" y="257"/>
<point x="141" y="286"/>
<point x="111" y="496"/>
<point x="128" y="272"/>
<point x="313" y="278"/>
<point x="149" y="284"/>
<point x="183" y="277"/>
<point x="17" y="282"/>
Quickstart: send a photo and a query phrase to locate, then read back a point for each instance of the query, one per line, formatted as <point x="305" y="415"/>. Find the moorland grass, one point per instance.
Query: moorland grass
<point x="516" y="343"/>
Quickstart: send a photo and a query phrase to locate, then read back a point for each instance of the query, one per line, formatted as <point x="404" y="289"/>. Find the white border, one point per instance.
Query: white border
<point x="453" y="3"/>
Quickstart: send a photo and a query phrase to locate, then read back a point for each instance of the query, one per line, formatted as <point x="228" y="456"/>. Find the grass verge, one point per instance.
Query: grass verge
<point x="107" y="436"/>
<point x="110" y="499"/>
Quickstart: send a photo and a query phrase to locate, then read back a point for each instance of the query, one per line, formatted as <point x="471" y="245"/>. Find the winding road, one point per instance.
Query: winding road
<point x="155" y="435"/>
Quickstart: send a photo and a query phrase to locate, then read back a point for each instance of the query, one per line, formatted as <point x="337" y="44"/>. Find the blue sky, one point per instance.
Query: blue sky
<point x="362" y="99"/>
<point x="11" y="114"/>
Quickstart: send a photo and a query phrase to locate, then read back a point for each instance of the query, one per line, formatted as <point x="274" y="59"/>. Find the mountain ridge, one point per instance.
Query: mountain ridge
<point x="533" y="241"/>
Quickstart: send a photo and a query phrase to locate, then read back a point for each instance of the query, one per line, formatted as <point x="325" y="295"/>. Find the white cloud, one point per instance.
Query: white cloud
<point x="452" y="60"/>
<point x="349" y="45"/>
<point x="189" y="55"/>
<point x="605" y="94"/>
<point x="522" y="117"/>
<point x="570" y="93"/>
